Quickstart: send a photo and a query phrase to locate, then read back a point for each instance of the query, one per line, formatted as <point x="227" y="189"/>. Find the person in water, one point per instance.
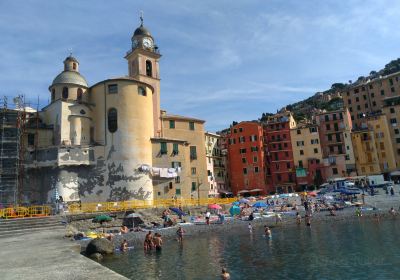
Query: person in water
<point x="180" y="233"/>
<point x="267" y="232"/>
<point x="124" y="246"/>
<point x="308" y="220"/>
<point x="157" y="241"/>
<point x="148" y="241"/>
<point x="250" y="227"/>
<point x="225" y="274"/>
<point x="298" y="218"/>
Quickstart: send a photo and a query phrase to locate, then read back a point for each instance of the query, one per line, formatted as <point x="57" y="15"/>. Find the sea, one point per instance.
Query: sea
<point x="360" y="249"/>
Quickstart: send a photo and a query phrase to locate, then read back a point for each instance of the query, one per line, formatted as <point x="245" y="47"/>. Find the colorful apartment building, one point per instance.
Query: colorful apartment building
<point x="391" y="108"/>
<point x="307" y="154"/>
<point x="246" y="159"/>
<point x="373" y="149"/>
<point x="367" y="95"/>
<point x="216" y="165"/>
<point x="280" y="166"/>
<point x="335" y="138"/>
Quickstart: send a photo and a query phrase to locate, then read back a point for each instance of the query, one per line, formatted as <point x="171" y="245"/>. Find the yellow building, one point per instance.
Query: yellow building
<point x="372" y="146"/>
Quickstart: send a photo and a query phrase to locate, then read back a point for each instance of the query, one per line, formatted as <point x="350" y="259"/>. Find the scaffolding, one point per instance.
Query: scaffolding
<point x="13" y="119"/>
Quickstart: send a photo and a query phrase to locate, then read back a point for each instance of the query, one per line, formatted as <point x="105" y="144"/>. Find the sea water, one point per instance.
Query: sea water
<point x="363" y="249"/>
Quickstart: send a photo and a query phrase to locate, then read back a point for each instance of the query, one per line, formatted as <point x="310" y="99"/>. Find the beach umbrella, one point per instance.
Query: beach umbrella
<point x="252" y="198"/>
<point x="133" y="215"/>
<point x="102" y="218"/>
<point x="260" y="204"/>
<point x="235" y="210"/>
<point x="236" y="203"/>
<point x="243" y="200"/>
<point x="178" y="211"/>
<point x="312" y="194"/>
<point x="214" y="206"/>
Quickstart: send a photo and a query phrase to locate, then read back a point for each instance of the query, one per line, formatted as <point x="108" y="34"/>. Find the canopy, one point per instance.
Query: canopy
<point x="214" y="206"/>
<point x="260" y="204"/>
<point x="235" y="210"/>
<point x="256" y="190"/>
<point x="177" y="211"/>
<point x="133" y="215"/>
<point x="243" y="191"/>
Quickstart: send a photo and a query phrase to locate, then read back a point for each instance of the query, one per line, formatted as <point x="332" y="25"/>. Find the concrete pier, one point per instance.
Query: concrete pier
<point x="47" y="255"/>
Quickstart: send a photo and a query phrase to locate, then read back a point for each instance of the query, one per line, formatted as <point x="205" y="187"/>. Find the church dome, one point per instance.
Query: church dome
<point x="141" y="31"/>
<point x="70" y="77"/>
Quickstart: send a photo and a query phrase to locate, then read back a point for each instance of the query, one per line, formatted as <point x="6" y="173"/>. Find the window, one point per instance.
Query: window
<point x="398" y="140"/>
<point x="142" y="91"/>
<point x="300" y="163"/>
<point x="301" y="152"/>
<point x="242" y="151"/>
<point x="240" y="129"/>
<point x="286" y="154"/>
<point x="235" y="130"/>
<point x="393" y="121"/>
<point x="243" y="160"/>
<point x="253" y="138"/>
<point x="334" y="171"/>
<point x="326" y="118"/>
<point x="242" y="139"/>
<point x="331" y="149"/>
<point x="382" y="92"/>
<point x="256" y="169"/>
<point x="74" y="66"/>
<point x="358" y="107"/>
<point x="193" y="152"/>
<point x="392" y="89"/>
<point x="31" y="139"/>
<point x="176" y="164"/>
<point x="329" y="137"/>
<point x="112" y="89"/>
<point x="374" y="103"/>
<point x="392" y="110"/>
<point x="149" y="68"/>
<point x="298" y="131"/>
<point x="365" y="97"/>
<point x="53" y="94"/>
<point x="163" y="148"/>
<point x="328" y="126"/>
<point x="172" y="124"/>
<point x="193" y="170"/>
<point x="65" y="92"/>
<point x="191" y="125"/>
<point x="255" y="159"/>
<point x="366" y="105"/>
<point x="372" y="95"/>
<point x="396" y="131"/>
<point x="194" y="186"/>
<point x="245" y="171"/>
<point x="254" y="149"/>
<point x="112" y="120"/>
<point x="177" y="179"/>
<point x="175" y="148"/>
<point x="79" y="94"/>
<point x="315" y="151"/>
<point x="349" y="101"/>
<point x="177" y="191"/>
<point x="357" y="99"/>
<point x="288" y="165"/>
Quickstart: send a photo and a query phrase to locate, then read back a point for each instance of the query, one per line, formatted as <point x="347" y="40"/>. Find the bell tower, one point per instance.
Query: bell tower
<point x="143" y="65"/>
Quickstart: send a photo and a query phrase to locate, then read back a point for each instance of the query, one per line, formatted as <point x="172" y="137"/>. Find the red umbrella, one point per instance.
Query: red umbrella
<point x="214" y="206"/>
<point x="312" y="194"/>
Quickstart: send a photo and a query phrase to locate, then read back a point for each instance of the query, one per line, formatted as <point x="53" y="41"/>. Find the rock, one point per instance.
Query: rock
<point x="100" y="245"/>
<point x="96" y="256"/>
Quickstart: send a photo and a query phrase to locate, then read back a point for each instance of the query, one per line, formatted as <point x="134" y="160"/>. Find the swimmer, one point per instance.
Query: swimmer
<point x="124" y="246"/>
<point x="267" y="232"/>
<point x="225" y="274"/>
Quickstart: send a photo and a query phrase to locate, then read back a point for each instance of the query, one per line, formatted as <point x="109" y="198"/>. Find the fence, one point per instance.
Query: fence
<point x="142" y="204"/>
<point x="21" y="212"/>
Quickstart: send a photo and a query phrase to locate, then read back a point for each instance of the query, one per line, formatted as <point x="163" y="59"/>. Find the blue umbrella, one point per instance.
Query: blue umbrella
<point x="243" y="200"/>
<point x="177" y="211"/>
<point x="235" y="210"/>
<point x="236" y="203"/>
<point x="260" y="204"/>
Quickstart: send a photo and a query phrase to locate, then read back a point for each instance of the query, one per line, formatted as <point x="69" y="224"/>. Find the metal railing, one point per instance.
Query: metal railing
<point x="22" y="212"/>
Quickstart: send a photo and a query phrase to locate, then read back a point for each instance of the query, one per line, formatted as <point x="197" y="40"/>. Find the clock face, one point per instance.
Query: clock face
<point x="147" y="43"/>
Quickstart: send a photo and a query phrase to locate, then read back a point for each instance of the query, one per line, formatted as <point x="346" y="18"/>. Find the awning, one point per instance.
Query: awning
<point x="243" y="191"/>
<point x="256" y="190"/>
<point x="395" y="173"/>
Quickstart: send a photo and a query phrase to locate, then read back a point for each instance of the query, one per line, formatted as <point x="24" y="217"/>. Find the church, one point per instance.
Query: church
<point x="111" y="141"/>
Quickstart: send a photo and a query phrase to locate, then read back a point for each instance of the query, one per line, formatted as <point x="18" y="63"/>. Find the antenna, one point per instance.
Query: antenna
<point x="141" y="18"/>
<point x="70" y="51"/>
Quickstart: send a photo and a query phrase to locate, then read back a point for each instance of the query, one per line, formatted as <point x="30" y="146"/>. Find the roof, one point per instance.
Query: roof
<point x="213" y="134"/>
<point x="72" y="59"/>
<point x="70" y="77"/>
<point x="164" y="139"/>
<point x="141" y="31"/>
<point x="178" y="117"/>
<point x="123" y="78"/>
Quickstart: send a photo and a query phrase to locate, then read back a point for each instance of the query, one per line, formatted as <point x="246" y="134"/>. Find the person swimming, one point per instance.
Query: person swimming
<point x="225" y="274"/>
<point x="124" y="246"/>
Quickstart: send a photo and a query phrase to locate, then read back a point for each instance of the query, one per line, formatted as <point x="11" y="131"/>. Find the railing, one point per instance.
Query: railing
<point x="22" y="212"/>
<point x="93" y="207"/>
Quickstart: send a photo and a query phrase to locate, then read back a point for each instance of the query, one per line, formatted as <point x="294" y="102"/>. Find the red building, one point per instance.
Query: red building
<point x="280" y="168"/>
<point x="246" y="159"/>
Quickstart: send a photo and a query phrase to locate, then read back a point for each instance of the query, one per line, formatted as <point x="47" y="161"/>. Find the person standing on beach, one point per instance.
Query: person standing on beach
<point x="208" y="215"/>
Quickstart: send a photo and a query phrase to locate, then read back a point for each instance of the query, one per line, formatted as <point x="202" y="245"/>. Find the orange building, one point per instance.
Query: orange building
<point x="246" y="159"/>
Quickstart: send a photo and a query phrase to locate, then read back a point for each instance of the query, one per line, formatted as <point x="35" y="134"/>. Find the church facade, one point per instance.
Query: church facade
<point x="107" y="141"/>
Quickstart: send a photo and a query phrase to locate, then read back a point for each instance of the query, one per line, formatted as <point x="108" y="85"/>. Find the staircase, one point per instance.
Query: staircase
<point x="12" y="227"/>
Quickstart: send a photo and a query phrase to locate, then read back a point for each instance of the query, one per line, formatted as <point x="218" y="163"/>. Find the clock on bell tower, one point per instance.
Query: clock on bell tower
<point x="143" y="65"/>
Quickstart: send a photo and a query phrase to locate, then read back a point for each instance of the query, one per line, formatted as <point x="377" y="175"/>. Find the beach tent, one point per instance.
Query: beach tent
<point x="235" y="210"/>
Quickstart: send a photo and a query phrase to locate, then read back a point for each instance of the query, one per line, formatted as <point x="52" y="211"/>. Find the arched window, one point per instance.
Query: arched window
<point x="53" y="94"/>
<point x="149" y="68"/>
<point x="79" y="95"/>
<point x="142" y="91"/>
<point x="65" y="93"/>
<point x="112" y="120"/>
<point x="74" y="66"/>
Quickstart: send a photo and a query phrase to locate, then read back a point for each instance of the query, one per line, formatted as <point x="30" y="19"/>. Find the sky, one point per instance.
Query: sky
<point x="222" y="61"/>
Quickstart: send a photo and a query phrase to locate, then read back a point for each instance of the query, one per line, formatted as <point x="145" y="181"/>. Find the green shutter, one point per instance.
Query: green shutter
<point x="163" y="148"/>
<point x="193" y="186"/>
<point x="178" y="191"/>
<point x="175" y="149"/>
<point x="171" y="124"/>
